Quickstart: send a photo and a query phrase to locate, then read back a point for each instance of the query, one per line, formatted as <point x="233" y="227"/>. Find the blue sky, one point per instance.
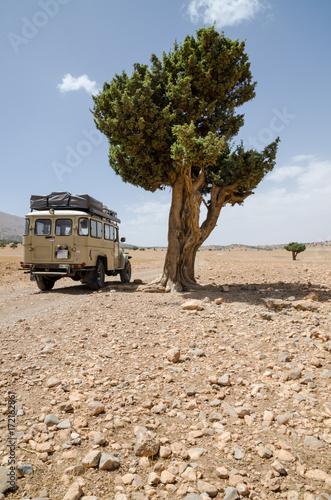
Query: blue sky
<point x="55" y="53"/>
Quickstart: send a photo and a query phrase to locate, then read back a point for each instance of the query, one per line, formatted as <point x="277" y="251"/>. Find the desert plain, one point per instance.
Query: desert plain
<point x="223" y="393"/>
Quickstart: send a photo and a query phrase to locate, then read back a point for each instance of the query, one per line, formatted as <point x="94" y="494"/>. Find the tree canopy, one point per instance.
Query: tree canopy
<point x="172" y="124"/>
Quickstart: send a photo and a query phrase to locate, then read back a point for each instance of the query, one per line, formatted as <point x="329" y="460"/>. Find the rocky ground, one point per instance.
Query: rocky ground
<point x="223" y="393"/>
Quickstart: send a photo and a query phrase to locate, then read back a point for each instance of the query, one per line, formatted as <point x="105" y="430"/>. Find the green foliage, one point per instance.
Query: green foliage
<point x="295" y="247"/>
<point x="5" y="242"/>
<point x="181" y="113"/>
<point x="245" y="168"/>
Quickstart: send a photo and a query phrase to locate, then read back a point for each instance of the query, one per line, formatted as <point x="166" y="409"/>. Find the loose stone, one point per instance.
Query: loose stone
<point x="91" y="459"/>
<point x="108" y="462"/>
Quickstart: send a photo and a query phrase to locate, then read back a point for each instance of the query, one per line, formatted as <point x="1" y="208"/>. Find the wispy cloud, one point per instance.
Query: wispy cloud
<point x="70" y="83"/>
<point x="301" y="158"/>
<point x="224" y="12"/>
<point x="288" y="172"/>
<point x="309" y="173"/>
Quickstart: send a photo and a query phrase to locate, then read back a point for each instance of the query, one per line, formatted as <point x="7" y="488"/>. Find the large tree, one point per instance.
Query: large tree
<point x="172" y="124"/>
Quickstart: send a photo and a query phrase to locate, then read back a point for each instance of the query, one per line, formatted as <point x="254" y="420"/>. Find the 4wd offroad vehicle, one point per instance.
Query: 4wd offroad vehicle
<point x="72" y="236"/>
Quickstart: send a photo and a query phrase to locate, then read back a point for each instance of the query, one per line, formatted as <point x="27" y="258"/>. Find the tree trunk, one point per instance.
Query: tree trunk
<point x="294" y="255"/>
<point x="185" y="236"/>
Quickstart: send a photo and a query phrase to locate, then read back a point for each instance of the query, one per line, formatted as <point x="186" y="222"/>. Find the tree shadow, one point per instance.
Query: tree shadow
<point x="254" y="294"/>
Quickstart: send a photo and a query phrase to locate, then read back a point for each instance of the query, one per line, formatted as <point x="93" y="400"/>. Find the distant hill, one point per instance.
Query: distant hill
<point x="11" y="226"/>
<point x="280" y="246"/>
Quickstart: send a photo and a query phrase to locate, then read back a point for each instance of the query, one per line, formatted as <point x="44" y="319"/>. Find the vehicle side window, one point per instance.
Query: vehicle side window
<point x="109" y="232"/>
<point x="96" y="229"/>
<point x="83" y="226"/>
<point x="93" y="228"/>
<point x="27" y="227"/>
<point x="42" y="227"/>
<point x="99" y="230"/>
<point x="63" y="227"/>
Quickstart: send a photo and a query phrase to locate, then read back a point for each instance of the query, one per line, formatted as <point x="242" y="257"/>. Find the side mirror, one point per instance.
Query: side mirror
<point x="123" y="240"/>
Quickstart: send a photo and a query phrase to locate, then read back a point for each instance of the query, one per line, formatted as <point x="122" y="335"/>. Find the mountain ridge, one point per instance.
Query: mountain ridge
<point x="11" y="226"/>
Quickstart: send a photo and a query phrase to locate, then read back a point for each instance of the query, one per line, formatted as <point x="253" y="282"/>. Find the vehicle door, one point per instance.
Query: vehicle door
<point x="63" y="239"/>
<point x="42" y="239"/>
<point x="27" y="240"/>
<point x="116" y="248"/>
<point x="109" y="236"/>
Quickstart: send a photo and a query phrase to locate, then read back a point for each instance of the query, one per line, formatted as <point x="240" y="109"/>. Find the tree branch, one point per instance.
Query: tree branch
<point x="205" y="203"/>
<point x="219" y="197"/>
<point x="200" y="181"/>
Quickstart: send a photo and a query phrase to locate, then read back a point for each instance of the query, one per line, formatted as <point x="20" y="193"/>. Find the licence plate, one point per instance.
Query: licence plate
<point x="62" y="254"/>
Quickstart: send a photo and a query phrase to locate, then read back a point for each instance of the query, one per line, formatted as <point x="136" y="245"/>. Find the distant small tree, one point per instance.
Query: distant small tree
<point x="2" y="244"/>
<point x="13" y="245"/>
<point x="295" y="248"/>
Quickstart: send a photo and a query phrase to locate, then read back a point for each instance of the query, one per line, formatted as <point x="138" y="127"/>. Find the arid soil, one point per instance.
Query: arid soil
<point x="122" y="394"/>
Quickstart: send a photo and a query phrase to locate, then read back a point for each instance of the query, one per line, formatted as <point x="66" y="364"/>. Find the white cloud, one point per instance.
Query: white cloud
<point x="224" y="12"/>
<point x="300" y="158"/>
<point x="316" y="177"/>
<point x="81" y="82"/>
<point x="311" y="174"/>
<point x="283" y="173"/>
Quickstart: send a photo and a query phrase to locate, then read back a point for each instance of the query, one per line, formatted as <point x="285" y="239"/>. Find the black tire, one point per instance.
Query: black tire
<point x="126" y="273"/>
<point x="45" y="284"/>
<point x="98" y="278"/>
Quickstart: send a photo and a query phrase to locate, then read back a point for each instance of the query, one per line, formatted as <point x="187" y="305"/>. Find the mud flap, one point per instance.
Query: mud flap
<point x="89" y="277"/>
<point x="32" y="277"/>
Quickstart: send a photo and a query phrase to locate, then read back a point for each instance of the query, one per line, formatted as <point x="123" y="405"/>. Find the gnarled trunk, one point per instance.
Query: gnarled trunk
<point x="185" y="236"/>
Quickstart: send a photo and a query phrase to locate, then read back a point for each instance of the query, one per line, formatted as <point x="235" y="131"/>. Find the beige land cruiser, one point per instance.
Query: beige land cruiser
<point x="72" y="236"/>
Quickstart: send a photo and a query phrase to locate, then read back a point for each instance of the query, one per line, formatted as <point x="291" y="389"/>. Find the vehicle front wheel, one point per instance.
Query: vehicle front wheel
<point x="126" y="273"/>
<point x="45" y="284"/>
<point x="99" y="277"/>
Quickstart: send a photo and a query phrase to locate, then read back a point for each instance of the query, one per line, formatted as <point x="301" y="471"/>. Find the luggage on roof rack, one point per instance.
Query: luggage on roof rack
<point x="64" y="200"/>
<point x="58" y="200"/>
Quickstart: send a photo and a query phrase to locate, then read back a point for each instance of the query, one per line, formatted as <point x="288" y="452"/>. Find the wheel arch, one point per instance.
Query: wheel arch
<point x="103" y="259"/>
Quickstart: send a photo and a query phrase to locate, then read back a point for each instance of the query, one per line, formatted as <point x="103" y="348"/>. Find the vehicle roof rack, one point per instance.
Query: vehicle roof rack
<point x="104" y="215"/>
<point x="67" y="201"/>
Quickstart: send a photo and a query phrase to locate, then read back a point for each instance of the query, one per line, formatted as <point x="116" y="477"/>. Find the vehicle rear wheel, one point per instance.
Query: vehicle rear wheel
<point x="126" y="273"/>
<point x="99" y="277"/>
<point x="45" y="284"/>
